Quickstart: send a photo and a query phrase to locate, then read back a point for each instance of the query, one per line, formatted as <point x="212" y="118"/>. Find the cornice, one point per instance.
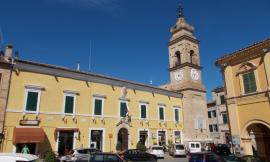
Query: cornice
<point x="181" y="38"/>
<point x="186" y="64"/>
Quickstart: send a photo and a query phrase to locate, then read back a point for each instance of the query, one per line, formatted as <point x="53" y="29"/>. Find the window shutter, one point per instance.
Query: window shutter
<point x="161" y="113"/>
<point x="69" y="104"/>
<point x="98" y="107"/>
<point x="32" y="99"/>
<point x="249" y="82"/>
<point x="143" y="111"/>
<point x="123" y="109"/>
<point x="176" y="115"/>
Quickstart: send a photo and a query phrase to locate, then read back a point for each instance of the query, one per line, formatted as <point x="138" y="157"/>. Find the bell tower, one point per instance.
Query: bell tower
<point x="186" y="78"/>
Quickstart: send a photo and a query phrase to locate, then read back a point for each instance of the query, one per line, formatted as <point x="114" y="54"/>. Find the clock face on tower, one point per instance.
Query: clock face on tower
<point x="178" y="75"/>
<point x="194" y="74"/>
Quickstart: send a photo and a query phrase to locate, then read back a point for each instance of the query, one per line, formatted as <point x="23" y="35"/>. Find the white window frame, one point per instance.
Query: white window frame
<point x="102" y="106"/>
<point x="164" y="114"/>
<point x="38" y="100"/>
<point x="119" y="107"/>
<point x="181" y="135"/>
<point x="103" y="136"/>
<point x="148" y="136"/>
<point x="179" y="120"/>
<point x="140" y="111"/>
<point x="75" y="134"/>
<point x="74" y="104"/>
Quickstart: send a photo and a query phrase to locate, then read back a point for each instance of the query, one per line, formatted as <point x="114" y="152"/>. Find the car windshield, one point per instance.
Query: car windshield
<point x="196" y="157"/>
<point x="179" y="147"/>
<point x="157" y="148"/>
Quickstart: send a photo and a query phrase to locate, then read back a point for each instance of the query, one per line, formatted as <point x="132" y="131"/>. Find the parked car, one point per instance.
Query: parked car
<point x="231" y="158"/>
<point x="15" y="157"/>
<point x="78" y="153"/>
<point x="138" y="155"/>
<point x="101" y="157"/>
<point x="157" y="151"/>
<point x="204" y="157"/>
<point x="177" y="150"/>
<point x="194" y="147"/>
<point x="223" y="149"/>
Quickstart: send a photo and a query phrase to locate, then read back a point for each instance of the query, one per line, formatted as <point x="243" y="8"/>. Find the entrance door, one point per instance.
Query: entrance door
<point x="123" y="138"/>
<point x="96" y="139"/>
<point x="260" y="139"/>
<point x="143" y="135"/>
<point x="161" y="138"/>
<point x="65" y="142"/>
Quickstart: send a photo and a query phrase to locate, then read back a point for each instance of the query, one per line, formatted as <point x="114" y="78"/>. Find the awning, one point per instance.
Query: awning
<point x="28" y="135"/>
<point x="67" y="129"/>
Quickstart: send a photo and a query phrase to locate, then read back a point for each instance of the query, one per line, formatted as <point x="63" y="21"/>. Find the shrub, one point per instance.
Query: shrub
<point x="50" y="157"/>
<point x="141" y="146"/>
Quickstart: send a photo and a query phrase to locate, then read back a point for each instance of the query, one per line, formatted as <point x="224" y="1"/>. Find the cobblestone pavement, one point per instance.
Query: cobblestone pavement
<point x="169" y="158"/>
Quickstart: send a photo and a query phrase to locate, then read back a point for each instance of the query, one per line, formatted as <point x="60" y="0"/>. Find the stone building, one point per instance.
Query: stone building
<point x="218" y="117"/>
<point x="247" y="86"/>
<point x="186" y="78"/>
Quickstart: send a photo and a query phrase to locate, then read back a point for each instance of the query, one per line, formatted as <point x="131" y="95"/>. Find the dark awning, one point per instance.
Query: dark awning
<point x="28" y="135"/>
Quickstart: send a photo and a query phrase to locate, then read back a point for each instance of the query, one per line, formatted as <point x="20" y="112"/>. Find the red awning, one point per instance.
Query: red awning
<point x="67" y="129"/>
<point x="28" y="135"/>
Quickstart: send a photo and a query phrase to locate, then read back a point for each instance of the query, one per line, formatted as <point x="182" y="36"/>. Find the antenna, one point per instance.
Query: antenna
<point x="90" y="56"/>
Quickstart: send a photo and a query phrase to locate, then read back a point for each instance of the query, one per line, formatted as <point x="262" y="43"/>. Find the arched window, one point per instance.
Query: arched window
<point x="178" y="58"/>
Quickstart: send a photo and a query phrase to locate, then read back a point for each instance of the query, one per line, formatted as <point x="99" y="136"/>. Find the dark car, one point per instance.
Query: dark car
<point x="137" y="155"/>
<point x="232" y="158"/>
<point x="204" y="157"/>
<point x="223" y="150"/>
<point x="101" y="157"/>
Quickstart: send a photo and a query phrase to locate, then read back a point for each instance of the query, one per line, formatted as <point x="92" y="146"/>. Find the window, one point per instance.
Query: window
<point x="249" y="82"/>
<point x="209" y="114"/>
<point x="161" y="113"/>
<point x="199" y="123"/>
<point x="123" y="108"/>
<point x="98" y="106"/>
<point x="32" y="100"/>
<point x="178" y="56"/>
<point x="176" y="114"/>
<point x="215" y="128"/>
<point x="210" y="128"/>
<point x="143" y="110"/>
<point x="225" y="118"/>
<point x="69" y="107"/>
<point x="214" y="113"/>
<point x="222" y="99"/>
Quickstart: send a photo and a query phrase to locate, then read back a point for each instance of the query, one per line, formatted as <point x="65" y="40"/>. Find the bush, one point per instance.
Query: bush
<point x="50" y="157"/>
<point x="141" y="146"/>
<point x="118" y="146"/>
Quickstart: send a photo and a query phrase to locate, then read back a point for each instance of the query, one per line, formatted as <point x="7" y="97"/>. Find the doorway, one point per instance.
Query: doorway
<point x="122" y="138"/>
<point x="65" y="142"/>
<point x="260" y="139"/>
<point x="96" y="139"/>
<point x="31" y="146"/>
<point x="161" y="138"/>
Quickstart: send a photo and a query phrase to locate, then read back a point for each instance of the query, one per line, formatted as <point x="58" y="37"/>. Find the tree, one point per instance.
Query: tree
<point x="141" y="146"/>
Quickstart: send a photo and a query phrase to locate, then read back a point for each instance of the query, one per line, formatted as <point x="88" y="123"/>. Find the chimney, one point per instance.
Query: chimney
<point x="8" y="52"/>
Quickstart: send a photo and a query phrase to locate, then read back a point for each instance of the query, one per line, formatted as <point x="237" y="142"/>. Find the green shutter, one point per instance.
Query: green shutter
<point x="161" y="113"/>
<point x="249" y="82"/>
<point x="32" y="99"/>
<point x="69" y="104"/>
<point x="176" y="115"/>
<point x="143" y="111"/>
<point x="123" y="109"/>
<point x="98" y="107"/>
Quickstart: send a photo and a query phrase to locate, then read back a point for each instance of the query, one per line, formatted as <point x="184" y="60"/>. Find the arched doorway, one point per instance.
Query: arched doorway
<point x="260" y="139"/>
<point x="122" y="138"/>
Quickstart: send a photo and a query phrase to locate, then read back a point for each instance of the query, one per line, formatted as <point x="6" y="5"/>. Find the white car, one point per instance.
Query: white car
<point x="14" y="157"/>
<point x="79" y="153"/>
<point x="194" y="147"/>
<point x="177" y="150"/>
<point x="156" y="150"/>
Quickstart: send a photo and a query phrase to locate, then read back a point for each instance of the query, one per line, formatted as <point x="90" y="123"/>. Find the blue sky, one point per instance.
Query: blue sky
<point x="129" y="37"/>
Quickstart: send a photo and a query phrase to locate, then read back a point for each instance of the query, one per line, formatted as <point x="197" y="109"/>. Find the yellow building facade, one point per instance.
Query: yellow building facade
<point x="58" y="109"/>
<point x="247" y="81"/>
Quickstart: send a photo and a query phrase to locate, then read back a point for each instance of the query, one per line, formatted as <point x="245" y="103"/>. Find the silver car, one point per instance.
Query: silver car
<point x="177" y="150"/>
